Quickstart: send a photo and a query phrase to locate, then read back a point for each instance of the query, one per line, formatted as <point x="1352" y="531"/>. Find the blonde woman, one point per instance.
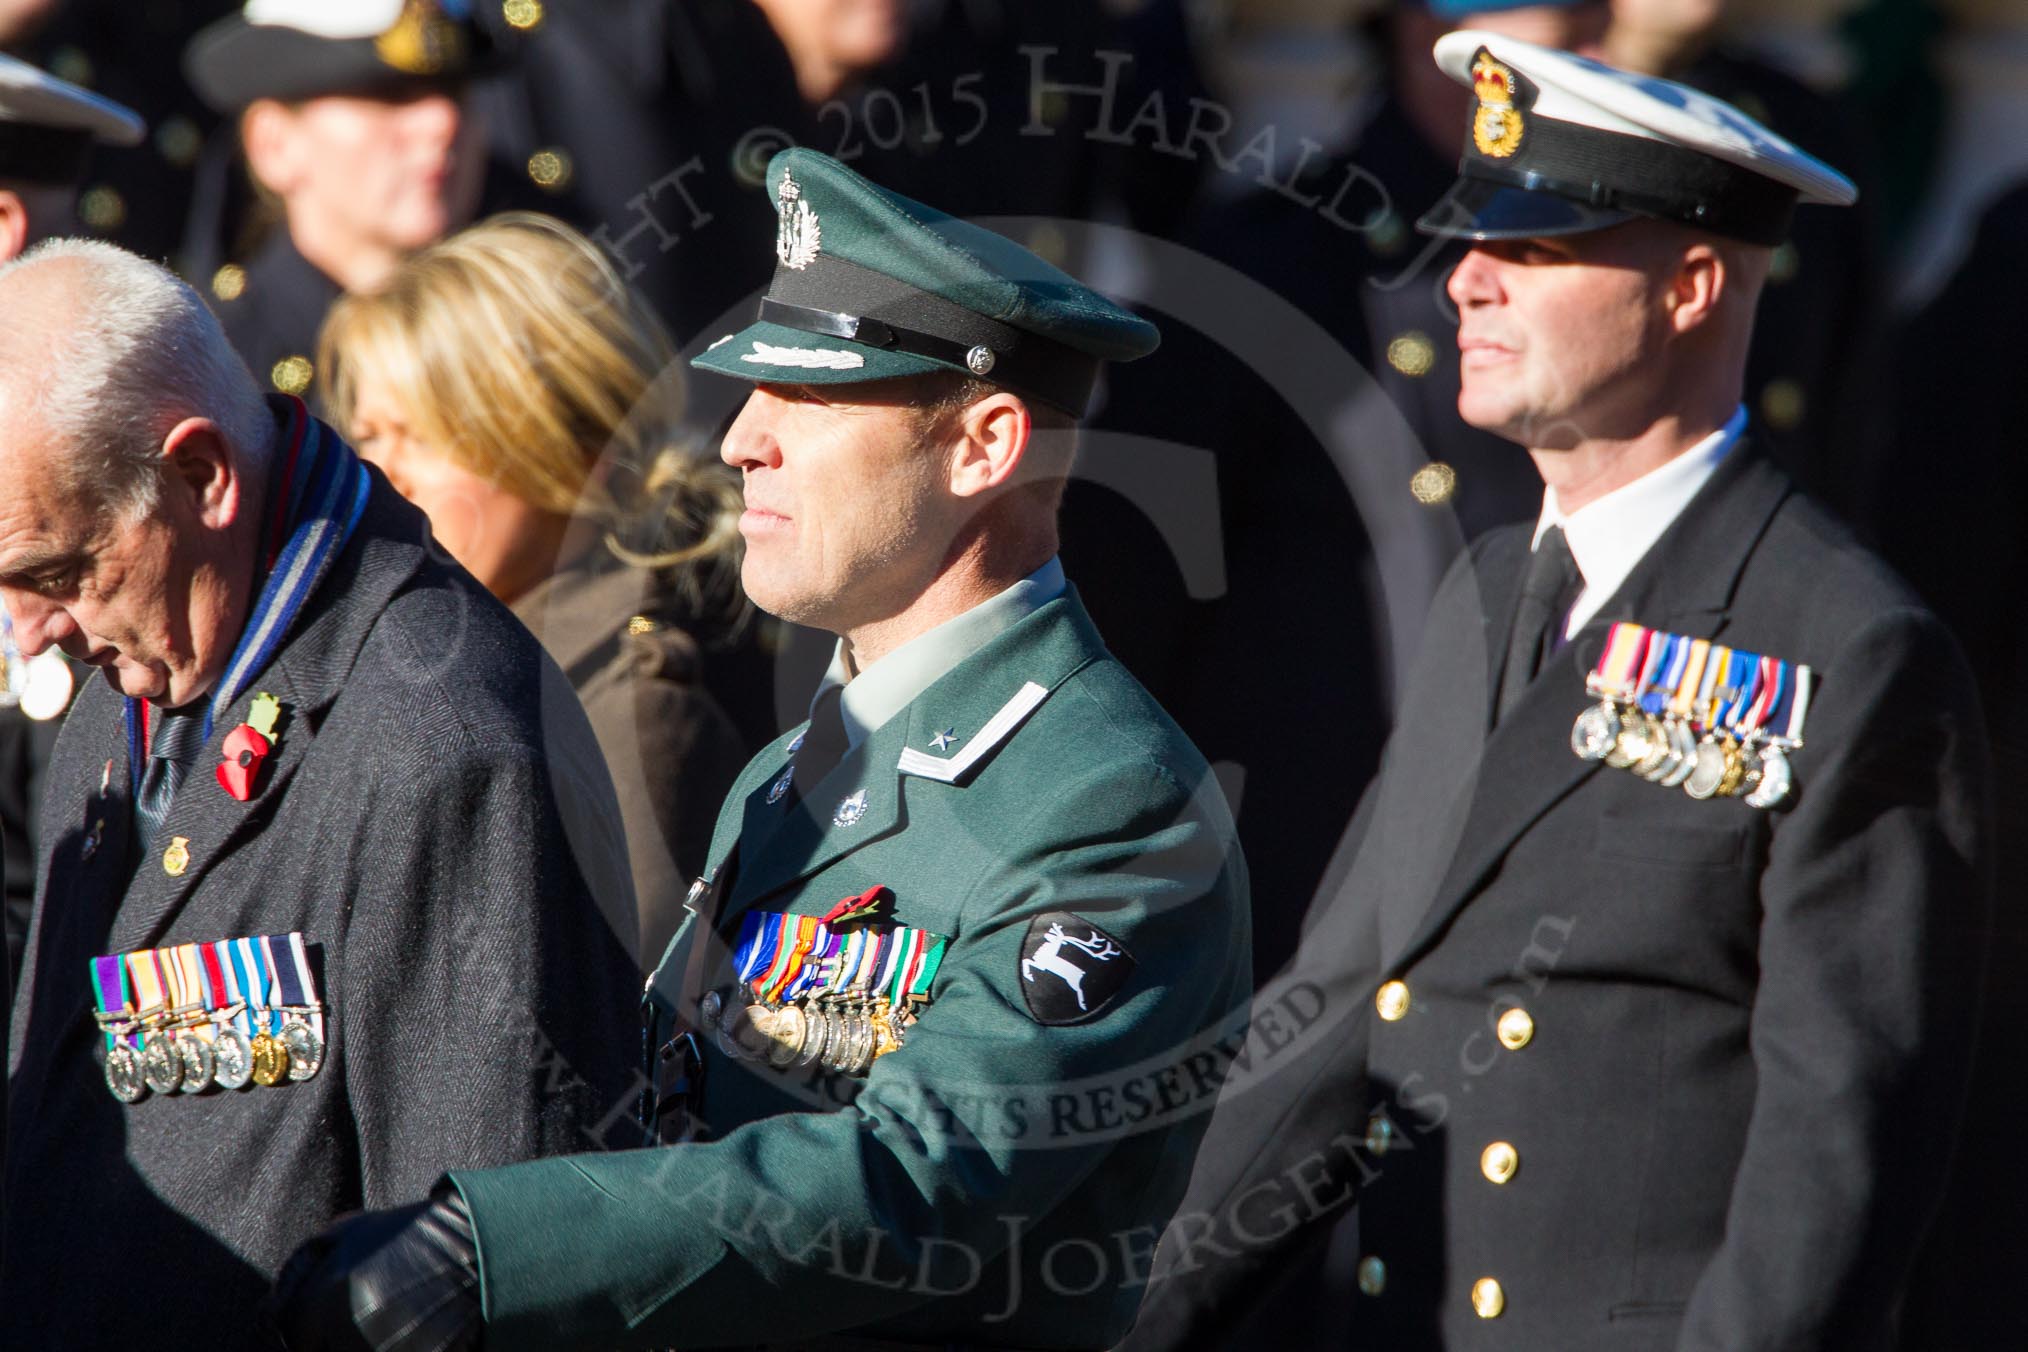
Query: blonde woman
<point x="510" y="384"/>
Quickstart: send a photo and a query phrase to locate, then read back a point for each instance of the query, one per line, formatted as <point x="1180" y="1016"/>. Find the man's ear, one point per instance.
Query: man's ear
<point x="13" y="225"/>
<point x="992" y="437"/>
<point x="267" y="133"/>
<point x="1697" y="288"/>
<point x="200" y="469"/>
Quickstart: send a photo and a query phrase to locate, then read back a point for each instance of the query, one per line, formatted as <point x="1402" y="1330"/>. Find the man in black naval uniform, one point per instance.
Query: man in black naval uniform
<point x="352" y="117"/>
<point x="1664" y="919"/>
<point x="48" y="129"/>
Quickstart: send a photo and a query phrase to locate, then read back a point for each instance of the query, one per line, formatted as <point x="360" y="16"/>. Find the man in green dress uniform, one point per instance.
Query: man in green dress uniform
<point x="929" y="1058"/>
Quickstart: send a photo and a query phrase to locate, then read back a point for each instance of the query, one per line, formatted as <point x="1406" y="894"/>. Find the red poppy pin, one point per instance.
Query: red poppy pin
<point x="862" y="907"/>
<point x="247" y="747"/>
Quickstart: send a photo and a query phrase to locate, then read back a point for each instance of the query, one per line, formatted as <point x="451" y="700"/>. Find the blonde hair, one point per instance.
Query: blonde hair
<point x="516" y="349"/>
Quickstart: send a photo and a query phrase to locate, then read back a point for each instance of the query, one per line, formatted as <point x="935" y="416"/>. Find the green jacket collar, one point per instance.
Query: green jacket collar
<point x="947" y="733"/>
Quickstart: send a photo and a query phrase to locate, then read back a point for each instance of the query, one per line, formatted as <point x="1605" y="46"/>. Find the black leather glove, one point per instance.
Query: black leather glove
<point x="385" y="1281"/>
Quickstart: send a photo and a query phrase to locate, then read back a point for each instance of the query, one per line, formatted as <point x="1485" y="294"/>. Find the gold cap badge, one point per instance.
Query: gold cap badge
<point x="1497" y="126"/>
<point x="422" y="41"/>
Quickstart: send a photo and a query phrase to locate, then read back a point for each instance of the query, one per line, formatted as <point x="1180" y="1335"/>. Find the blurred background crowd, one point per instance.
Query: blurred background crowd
<point x="1261" y="512"/>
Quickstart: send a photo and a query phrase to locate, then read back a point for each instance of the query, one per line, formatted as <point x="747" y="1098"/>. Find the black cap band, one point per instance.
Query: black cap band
<point x="840" y="299"/>
<point x="1616" y="172"/>
<point x="37" y="154"/>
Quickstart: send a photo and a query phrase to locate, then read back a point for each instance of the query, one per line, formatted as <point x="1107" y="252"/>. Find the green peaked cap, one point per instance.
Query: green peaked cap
<point x="870" y="285"/>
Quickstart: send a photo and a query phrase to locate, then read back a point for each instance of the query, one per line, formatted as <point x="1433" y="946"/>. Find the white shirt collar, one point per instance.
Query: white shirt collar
<point x="888" y="686"/>
<point x="1609" y="535"/>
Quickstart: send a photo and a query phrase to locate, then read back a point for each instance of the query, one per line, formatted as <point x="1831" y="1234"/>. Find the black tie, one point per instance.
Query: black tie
<point x="1547" y="593"/>
<point x="178" y="737"/>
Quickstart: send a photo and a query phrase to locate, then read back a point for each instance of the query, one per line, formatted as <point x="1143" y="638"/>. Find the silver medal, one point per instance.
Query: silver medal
<point x="1594" y="732"/>
<point x="1661" y="757"/>
<point x="1708" y="772"/>
<point x="123" y="1074"/>
<point x="199" y="1065"/>
<point x="1777" y="779"/>
<point x="818" y="1040"/>
<point x="232" y="1058"/>
<point x="161" y="1063"/>
<point x="305" y="1049"/>
<point x="1685" y="744"/>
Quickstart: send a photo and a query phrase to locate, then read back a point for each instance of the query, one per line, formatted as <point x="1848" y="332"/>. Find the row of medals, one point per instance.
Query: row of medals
<point x="174" y="1059"/>
<point x="1664" y="750"/>
<point x="844" y="1033"/>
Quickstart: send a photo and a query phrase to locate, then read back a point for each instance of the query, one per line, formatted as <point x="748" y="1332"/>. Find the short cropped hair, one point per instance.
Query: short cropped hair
<point x="139" y="354"/>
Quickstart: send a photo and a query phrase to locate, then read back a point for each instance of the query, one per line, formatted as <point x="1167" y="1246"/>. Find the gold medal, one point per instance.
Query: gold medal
<point x="270" y="1061"/>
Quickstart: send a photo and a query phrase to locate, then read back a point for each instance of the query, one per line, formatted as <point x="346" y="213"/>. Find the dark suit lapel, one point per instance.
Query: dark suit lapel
<point x="1500" y="568"/>
<point x="306" y="676"/>
<point x="205" y="822"/>
<point x="1683" y="584"/>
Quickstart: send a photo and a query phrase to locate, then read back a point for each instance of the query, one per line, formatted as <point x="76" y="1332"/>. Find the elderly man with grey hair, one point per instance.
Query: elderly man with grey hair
<point x="322" y="857"/>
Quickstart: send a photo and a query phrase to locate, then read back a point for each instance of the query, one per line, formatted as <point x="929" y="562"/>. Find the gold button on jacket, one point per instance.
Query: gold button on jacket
<point x="1516" y="1029"/>
<point x="1392" y="1000"/>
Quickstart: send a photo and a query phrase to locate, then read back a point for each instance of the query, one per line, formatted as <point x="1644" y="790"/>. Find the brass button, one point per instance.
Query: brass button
<point x="229" y="282"/>
<point x="1487" y="1298"/>
<point x="1379" y="1134"/>
<point x="525" y="15"/>
<point x="292" y="375"/>
<point x="1392" y="1000"/>
<point x="550" y="169"/>
<point x="1498" y="1162"/>
<point x="1516" y="1029"/>
<point x="1434" y="484"/>
<point x="1782" y="403"/>
<point x="179" y="142"/>
<point x="1372" y="1276"/>
<point x="102" y="208"/>
<point x="1412" y="354"/>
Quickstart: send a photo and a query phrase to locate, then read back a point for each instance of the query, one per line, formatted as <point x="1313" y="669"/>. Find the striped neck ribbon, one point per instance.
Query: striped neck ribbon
<point x="317" y="494"/>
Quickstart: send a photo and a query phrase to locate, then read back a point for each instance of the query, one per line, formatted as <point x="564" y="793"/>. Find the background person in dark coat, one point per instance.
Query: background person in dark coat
<point x="1605" y="1065"/>
<point x="510" y="384"/>
<point x="353" y="119"/>
<point x="433" y="817"/>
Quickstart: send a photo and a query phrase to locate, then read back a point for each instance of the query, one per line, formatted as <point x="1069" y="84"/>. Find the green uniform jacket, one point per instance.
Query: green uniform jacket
<point x="1000" y="1178"/>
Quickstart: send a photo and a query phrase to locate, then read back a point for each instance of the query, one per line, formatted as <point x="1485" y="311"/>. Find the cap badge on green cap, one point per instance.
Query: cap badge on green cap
<point x="798" y="233"/>
<point x="1497" y="126"/>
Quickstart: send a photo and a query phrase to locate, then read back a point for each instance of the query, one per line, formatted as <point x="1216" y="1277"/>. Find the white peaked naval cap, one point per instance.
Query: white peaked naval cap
<point x="1558" y="143"/>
